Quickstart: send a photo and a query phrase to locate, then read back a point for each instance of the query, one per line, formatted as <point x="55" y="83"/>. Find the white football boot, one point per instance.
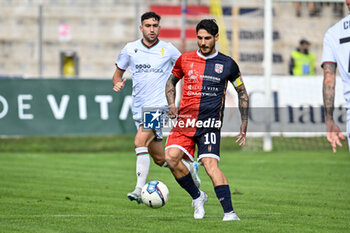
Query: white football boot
<point x="198" y="205"/>
<point x="231" y="216"/>
<point x="135" y="195"/>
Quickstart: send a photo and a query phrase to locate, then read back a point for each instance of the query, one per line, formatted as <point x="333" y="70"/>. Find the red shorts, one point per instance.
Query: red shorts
<point x="187" y="144"/>
<point x="184" y="143"/>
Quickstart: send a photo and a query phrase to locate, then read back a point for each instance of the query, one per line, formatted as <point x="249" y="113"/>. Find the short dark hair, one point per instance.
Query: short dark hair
<point x="149" y="15"/>
<point x="209" y="25"/>
<point x="304" y="41"/>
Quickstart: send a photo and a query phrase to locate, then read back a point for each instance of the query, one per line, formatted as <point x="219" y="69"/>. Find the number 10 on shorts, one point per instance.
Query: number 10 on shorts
<point x="209" y="138"/>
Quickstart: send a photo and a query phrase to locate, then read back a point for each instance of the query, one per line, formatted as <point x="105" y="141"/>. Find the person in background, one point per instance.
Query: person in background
<point x="206" y="73"/>
<point x="302" y="61"/>
<point x="149" y="61"/>
<point x="336" y="47"/>
<point x="313" y="9"/>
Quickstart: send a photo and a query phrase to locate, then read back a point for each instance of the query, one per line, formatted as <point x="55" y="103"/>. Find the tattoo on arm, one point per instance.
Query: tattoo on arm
<point x="170" y="89"/>
<point x="243" y="102"/>
<point x="329" y="89"/>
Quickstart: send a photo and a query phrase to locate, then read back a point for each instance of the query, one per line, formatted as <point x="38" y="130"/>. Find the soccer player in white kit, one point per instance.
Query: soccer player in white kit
<point x="150" y="62"/>
<point x="336" y="52"/>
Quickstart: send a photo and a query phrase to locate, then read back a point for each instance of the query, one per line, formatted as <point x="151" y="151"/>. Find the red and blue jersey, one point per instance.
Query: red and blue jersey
<point x="204" y="87"/>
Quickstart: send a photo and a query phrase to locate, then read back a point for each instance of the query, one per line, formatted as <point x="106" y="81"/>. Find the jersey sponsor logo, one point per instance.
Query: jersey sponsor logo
<point x="193" y="76"/>
<point x="344" y="40"/>
<point x="346" y="25"/>
<point x="211" y="78"/>
<point x="192" y="93"/>
<point x="208" y="88"/>
<point x="144" y="66"/>
<point x="194" y="90"/>
<point x="147" y="68"/>
<point x="194" y="87"/>
<point x="162" y="51"/>
<point x="219" y="68"/>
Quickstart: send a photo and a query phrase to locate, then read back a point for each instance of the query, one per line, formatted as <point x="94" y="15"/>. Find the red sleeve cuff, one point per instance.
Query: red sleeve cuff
<point x="328" y="62"/>
<point x="119" y="67"/>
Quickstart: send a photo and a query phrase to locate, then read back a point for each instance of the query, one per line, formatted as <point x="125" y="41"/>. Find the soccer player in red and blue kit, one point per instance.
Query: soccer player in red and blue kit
<point x="206" y="73"/>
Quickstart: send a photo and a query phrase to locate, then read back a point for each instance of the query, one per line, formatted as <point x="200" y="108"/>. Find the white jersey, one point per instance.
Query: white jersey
<point x="336" y="49"/>
<point x="150" y="68"/>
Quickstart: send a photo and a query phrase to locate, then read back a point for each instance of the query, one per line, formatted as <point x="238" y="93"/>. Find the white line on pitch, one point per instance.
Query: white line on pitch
<point x="60" y="215"/>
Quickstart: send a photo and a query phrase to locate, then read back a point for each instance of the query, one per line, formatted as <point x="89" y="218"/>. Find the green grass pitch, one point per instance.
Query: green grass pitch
<point x="300" y="191"/>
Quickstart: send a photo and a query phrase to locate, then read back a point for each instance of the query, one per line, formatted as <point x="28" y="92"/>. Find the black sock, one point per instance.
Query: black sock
<point x="224" y="195"/>
<point x="187" y="183"/>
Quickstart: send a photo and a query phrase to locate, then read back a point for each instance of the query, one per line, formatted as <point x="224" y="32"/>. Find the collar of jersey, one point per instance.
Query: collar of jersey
<point x="151" y="45"/>
<point x="208" y="57"/>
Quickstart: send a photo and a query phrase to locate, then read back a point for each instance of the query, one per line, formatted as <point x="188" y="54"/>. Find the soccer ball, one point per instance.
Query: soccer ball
<point x="155" y="194"/>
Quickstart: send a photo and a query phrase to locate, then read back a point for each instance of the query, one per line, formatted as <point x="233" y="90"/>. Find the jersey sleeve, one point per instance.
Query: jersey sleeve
<point x="177" y="69"/>
<point x="122" y="62"/>
<point x="327" y="52"/>
<point x="235" y="74"/>
<point x="174" y="53"/>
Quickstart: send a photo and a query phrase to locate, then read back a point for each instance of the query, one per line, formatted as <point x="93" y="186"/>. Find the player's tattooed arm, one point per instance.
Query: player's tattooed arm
<point x="170" y="89"/>
<point x="334" y="134"/>
<point x="170" y="93"/>
<point x="329" y="70"/>
<point x="243" y="102"/>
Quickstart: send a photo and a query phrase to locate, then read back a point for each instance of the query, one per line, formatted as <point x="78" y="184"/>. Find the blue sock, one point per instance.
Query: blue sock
<point x="187" y="183"/>
<point x="224" y="195"/>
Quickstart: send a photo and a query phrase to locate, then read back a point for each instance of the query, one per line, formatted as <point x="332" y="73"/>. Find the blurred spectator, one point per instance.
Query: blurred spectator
<point x="338" y="9"/>
<point x="302" y="61"/>
<point x="313" y="9"/>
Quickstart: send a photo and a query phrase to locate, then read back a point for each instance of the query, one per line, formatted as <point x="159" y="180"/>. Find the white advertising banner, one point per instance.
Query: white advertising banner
<point x="297" y="106"/>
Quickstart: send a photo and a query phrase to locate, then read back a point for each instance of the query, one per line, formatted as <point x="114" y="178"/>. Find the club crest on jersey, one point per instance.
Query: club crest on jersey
<point x="219" y="68"/>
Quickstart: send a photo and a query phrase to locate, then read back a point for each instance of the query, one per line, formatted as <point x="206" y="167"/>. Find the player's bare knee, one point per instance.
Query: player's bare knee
<point x="210" y="165"/>
<point x="139" y="142"/>
<point x="171" y="158"/>
<point x="171" y="161"/>
<point x="159" y="161"/>
<point x="211" y="170"/>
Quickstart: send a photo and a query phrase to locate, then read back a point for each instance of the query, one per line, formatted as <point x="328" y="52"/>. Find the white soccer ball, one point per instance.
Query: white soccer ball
<point x="155" y="194"/>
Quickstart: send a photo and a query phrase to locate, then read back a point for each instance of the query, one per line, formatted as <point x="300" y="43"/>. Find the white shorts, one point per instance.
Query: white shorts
<point x="138" y="119"/>
<point x="157" y="132"/>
